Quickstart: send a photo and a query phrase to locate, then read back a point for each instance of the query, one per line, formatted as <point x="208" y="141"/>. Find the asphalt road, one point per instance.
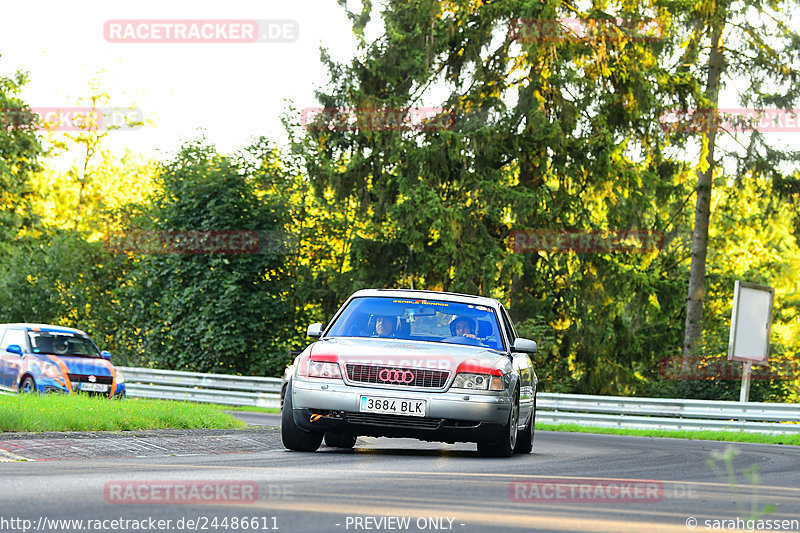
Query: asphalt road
<point x="572" y="482"/>
<point x="257" y="419"/>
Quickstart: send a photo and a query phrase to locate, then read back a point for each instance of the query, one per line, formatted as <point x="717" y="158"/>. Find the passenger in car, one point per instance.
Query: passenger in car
<point x="384" y="326"/>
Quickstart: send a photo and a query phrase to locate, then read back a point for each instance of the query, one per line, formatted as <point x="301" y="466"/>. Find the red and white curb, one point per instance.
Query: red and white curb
<point x="8" y="457"/>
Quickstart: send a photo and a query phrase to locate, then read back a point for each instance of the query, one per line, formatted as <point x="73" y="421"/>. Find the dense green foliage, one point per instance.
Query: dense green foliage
<point x="220" y="312"/>
<point x="20" y="150"/>
<point x="58" y="276"/>
<point x="532" y="132"/>
<point x="550" y="133"/>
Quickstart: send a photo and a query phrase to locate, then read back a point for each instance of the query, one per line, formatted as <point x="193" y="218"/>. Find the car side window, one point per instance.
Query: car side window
<point x="509" y="326"/>
<point x="14" y="336"/>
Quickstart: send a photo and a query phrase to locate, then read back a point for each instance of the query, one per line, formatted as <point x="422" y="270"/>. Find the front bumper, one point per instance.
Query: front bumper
<point x="47" y="385"/>
<point x="464" y="416"/>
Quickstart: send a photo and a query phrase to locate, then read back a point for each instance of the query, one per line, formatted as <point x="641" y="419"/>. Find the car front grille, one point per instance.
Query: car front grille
<point x="401" y="377"/>
<point x="84" y="378"/>
<point x="373" y="419"/>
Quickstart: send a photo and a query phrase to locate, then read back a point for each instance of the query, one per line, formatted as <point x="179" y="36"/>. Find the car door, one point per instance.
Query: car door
<point x="2" y="359"/>
<point x="522" y="364"/>
<point x="11" y="362"/>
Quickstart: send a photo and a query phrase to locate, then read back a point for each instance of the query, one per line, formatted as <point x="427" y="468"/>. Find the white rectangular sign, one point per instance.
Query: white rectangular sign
<point x="751" y="321"/>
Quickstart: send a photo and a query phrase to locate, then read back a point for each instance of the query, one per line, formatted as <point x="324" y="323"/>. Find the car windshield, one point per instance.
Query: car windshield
<point x="421" y="320"/>
<point x="62" y="344"/>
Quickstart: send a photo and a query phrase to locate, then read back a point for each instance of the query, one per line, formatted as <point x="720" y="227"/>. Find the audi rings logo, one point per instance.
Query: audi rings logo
<point x="396" y="376"/>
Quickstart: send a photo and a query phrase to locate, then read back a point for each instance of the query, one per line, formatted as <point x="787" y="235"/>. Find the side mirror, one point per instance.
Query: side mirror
<point x="14" y="348"/>
<point x="314" y="330"/>
<point x="105" y="354"/>
<point x="524" y="346"/>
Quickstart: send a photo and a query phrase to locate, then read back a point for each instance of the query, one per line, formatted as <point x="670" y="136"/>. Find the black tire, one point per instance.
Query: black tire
<point x="293" y="437"/>
<point x="27" y="385"/>
<point x="525" y="439"/>
<point x="340" y="440"/>
<point x="504" y="447"/>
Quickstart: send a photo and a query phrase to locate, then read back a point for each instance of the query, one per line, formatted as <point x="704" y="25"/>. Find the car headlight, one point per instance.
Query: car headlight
<point x="51" y="371"/>
<point x="120" y="377"/>
<point x="477" y="382"/>
<point x="321" y="369"/>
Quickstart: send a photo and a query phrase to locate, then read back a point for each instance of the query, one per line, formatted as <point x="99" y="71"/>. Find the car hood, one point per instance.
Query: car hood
<point x="85" y="365"/>
<point x="408" y="354"/>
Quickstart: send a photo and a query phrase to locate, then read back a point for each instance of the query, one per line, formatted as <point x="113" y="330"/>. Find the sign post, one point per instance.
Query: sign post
<point x="751" y="321"/>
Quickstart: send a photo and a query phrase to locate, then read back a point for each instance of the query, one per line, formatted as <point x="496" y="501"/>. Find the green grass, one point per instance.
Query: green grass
<point x="731" y="436"/>
<point x="79" y="412"/>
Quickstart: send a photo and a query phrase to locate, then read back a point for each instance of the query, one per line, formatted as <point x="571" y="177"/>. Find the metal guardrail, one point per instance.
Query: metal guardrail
<point x="205" y="388"/>
<point x="552" y="408"/>
<point x="667" y="413"/>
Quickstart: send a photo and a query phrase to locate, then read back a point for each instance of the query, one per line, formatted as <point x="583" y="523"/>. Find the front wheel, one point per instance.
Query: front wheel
<point x="27" y="385"/>
<point x="293" y="437"/>
<point x="504" y="447"/>
<point x="525" y="439"/>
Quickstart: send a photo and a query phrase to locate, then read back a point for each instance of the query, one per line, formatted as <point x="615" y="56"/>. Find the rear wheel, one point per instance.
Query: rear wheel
<point x="504" y="447"/>
<point x="340" y="440"/>
<point x="525" y="438"/>
<point x="293" y="437"/>
<point x="27" y="385"/>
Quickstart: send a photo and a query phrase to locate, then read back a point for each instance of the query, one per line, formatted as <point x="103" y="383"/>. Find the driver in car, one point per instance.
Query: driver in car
<point x="463" y="327"/>
<point x="60" y="346"/>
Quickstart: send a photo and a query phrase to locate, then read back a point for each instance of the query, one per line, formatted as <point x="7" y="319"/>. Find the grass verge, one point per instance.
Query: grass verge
<point x="731" y="436"/>
<point x="80" y="412"/>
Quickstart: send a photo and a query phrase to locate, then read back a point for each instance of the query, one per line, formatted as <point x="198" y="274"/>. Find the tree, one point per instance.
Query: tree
<point x="551" y="132"/>
<point x="736" y="41"/>
<point x="209" y="312"/>
<point x="55" y="276"/>
<point x="20" y="151"/>
<point x="97" y="182"/>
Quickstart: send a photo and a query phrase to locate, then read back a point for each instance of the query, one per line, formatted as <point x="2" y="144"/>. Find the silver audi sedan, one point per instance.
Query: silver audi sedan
<point x="435" y="366"/>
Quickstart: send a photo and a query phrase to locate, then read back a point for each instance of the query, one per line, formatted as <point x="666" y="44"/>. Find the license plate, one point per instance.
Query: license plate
<point x="392" y="406"/>
<point x="94" y="387"/>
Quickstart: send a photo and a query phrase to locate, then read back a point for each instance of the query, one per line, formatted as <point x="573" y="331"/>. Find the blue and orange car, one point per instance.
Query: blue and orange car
<point x="44" y="358"/>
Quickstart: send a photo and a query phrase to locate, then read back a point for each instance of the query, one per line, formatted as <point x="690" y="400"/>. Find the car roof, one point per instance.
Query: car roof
<point x="440" y="295"/>
<point x="44" y="327"/>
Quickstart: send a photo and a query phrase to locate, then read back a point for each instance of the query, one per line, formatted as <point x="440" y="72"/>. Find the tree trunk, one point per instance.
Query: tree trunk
<point x="697" y="273"/>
